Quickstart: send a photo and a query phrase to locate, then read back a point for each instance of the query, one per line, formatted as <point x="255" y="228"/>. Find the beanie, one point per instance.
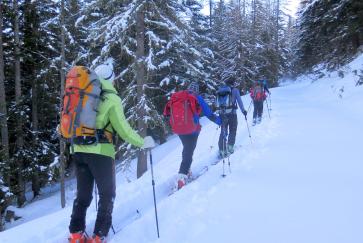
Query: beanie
<point x="105" y="71"/>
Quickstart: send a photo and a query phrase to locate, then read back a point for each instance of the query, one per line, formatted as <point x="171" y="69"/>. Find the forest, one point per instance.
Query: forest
<point x="157" y="47"/>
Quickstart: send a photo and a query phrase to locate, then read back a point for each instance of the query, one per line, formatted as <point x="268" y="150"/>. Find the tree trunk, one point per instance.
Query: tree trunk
<point x="277" y="24"/>
<point x="140" y="77"/>
<point x="3" y="109"/>
<point x="244" y="9"/>
<point x="3" y="118"/>
<point x="62" y="75"/>
<point x="277" y="41"/>
<point x="30" y="39"/>
<point x="210" y="12"/>
<point x="20" y="140"/>
<point x="254" y="20"/>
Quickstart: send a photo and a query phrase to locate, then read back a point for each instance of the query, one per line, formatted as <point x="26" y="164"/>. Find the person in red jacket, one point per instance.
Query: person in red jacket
<point x="258" y="96"/>
<point x="183" y="110"/>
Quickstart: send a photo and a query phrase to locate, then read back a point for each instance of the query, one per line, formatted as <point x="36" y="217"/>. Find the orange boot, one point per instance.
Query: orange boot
<point x="78" y="237"/>
<point x="97" y="239"/>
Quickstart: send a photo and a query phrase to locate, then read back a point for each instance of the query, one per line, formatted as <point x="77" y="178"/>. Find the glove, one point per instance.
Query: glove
<point x="244" y="112"/>
<point x="148" y="142"/>
<point x="218" y="120"/>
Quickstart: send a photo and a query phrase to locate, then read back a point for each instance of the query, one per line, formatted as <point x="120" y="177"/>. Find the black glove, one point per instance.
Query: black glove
<point x="244" y="112"/>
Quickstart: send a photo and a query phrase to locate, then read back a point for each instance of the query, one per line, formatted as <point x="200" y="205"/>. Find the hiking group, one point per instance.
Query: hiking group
<point x="92" y="115"/>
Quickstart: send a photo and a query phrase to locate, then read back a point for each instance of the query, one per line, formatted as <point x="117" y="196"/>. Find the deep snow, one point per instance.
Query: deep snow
<point x="299" y="181"/>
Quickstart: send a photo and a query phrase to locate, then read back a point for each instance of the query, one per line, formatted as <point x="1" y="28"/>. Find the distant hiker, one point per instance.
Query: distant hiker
<point x="184" y="109"/>
<point x="227" y="99"/>
<point x="258" y="95"/>
<point x="90" y="96"/>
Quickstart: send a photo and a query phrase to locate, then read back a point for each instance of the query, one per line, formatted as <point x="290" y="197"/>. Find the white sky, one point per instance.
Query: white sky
<point x="292" y="6"/>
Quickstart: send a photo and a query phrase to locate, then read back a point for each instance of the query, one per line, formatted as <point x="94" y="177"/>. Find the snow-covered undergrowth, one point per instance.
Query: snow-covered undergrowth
<point x="300" y="180"/>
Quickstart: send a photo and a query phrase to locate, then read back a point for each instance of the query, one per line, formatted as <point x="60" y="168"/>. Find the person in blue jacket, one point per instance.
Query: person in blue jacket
<point x="227" y="140"/>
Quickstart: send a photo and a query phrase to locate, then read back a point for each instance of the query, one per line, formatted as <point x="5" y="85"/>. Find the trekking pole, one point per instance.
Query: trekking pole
<point x="96" y="194"/>
<point x="229" y="165"/>
<point x="248" y="128"/>
<point x="229" y="162"/>
<point x="269" y="97"/>
<point x="248" y="110"/>
<point x="223" y="141"/>
<point x="224" y="151"/>
<point x="214" y="136"/>
<point x="153" y="184"/>
<point x="268" y="110"/>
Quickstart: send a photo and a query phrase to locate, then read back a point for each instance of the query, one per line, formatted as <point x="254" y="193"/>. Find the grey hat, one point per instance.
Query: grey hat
<point x="194" y="87"/>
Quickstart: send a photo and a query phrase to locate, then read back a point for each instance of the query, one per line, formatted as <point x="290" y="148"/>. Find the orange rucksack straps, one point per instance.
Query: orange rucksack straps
<point x="80" y="103"/>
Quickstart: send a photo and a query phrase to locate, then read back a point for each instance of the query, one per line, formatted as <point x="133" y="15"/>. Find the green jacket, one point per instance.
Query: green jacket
<point x="110" y="111"/>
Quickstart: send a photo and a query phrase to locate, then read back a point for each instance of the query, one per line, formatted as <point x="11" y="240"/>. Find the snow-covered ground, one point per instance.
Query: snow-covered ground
<point x="299" y="181"/>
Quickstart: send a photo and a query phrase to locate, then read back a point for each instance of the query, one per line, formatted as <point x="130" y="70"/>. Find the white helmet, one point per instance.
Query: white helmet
<point x="105" y="71"/>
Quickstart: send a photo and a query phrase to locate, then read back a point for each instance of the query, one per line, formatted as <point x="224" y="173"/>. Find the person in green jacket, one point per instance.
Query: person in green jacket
<point x="95" y="162"/>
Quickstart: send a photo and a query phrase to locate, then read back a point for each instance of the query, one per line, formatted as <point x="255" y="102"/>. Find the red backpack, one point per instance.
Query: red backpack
<point x="181" y="108"/>
<point x="258" y="93"/>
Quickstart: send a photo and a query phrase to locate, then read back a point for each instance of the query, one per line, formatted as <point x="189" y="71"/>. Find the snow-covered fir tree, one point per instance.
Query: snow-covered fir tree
<point x="171" y="57"/>
<point x="338" y="23"/>
<point x="249" y="41"/>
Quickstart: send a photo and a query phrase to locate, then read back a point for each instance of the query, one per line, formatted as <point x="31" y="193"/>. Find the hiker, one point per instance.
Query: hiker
<point x="183" y="110"/>
<point x="258" y="95"/>
<point x="94" y="158"/>
<point x="227" y="99"/>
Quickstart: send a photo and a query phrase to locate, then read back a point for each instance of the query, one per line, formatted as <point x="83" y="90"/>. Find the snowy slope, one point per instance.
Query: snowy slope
<point x="299" y="181"/>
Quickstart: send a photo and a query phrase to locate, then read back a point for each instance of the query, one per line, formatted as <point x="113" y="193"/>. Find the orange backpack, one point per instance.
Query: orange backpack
<point x="80" y="102"/>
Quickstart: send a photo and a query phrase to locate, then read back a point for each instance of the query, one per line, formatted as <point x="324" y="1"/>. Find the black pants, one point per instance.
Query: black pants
<point x="90" y="168"/>
<point x="257" y="108"/>
<point x="228" y="131"/>
<point x="189" y="143"/>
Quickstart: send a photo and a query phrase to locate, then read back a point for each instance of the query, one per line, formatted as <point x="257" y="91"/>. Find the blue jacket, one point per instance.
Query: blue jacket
<point x="206" y="111"/>
<point x="236" y="98"/>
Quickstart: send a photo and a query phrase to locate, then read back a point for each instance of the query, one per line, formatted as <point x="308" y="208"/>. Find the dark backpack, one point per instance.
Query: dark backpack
<point x="182" y="107"/>
<point x="224" y="99"/>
